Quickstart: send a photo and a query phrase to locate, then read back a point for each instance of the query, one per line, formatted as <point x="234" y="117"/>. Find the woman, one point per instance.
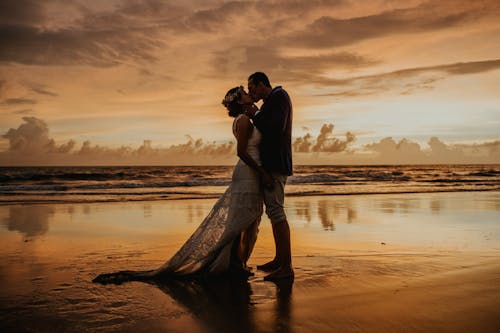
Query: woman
<point x="226" y="237"/>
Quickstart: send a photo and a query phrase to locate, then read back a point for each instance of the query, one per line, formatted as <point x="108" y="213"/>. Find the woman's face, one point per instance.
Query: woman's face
<point x="245" y="98"/>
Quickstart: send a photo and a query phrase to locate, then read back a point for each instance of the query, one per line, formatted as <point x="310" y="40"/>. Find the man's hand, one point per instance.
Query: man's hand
<point x="267" y="181"/>
<point x="250" y="110"/>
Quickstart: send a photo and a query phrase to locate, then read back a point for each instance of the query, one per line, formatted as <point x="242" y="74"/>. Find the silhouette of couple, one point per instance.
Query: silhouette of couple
<point x="223" y="242"/>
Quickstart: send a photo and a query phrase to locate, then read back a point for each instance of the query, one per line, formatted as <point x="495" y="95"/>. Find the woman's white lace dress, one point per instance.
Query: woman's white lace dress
<point x="208" y="249"/>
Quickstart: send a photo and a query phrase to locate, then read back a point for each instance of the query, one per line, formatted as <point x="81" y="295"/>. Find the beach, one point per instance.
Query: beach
<point x="397" y="262"/>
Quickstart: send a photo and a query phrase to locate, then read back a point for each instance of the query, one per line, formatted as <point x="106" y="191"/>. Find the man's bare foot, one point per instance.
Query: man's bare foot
<point x="269" y="266"/>
<point x="280" y="274"/>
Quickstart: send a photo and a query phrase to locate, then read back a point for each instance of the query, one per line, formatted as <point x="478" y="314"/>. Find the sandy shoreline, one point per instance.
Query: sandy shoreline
<point x="381" y="263"/>
<point x="387" y="295"/>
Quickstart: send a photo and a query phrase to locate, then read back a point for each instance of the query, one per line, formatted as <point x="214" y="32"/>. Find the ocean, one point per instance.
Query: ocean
<point x="145" y="183"/>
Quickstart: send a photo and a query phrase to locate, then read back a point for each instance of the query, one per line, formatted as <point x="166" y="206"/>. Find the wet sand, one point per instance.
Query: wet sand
<point x="367" y="263"/>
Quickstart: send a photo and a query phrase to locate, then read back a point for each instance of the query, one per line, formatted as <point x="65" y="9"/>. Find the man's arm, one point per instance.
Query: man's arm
<point x="273" y="120"/>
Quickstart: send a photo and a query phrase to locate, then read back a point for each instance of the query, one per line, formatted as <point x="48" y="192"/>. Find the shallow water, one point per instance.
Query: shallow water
<point x="342" y="245"/>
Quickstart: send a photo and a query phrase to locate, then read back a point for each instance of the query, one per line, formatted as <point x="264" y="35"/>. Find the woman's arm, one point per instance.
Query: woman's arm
<point x="243" y="132"/>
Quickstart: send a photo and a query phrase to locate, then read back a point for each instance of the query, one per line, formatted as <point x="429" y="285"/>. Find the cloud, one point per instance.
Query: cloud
<point x="324" y="142"/>
<point x="106" y="38"/>
<point x="130" y="31"/>
<point x="279" y="15"/>
<point x="33" y="137"/>
<point x="303" y="144"/>
<point x="3" y="83"/>
<point x="192" y="147"/>
<point x="25" y="12"/>
<point x="492" y="148"/>
<point x="33" y="46"/>
<point x="406" y="151"/>
<point x="390" y="149"/>
<point x="283" y="67"/>
<point x="23" y="111"/>
<point x="439" y="148"/>
<point x="328" y="32"/>
<point x="140" y="31"/>
<point x="62" y="149"/>
<point x="407" y="80"/>
<point x="31" y="144"/>
<point x="18" y="101"/>
<point x="41" y="89"/>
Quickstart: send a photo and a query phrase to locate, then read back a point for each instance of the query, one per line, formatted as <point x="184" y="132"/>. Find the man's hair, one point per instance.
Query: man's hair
<point x="260" y="77"/>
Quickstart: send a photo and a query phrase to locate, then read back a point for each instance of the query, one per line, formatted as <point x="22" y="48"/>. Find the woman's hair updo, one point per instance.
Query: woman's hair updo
<point x="231" y="99"/>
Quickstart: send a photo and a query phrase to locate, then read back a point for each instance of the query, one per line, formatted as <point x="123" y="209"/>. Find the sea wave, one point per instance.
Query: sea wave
<point x="151" y="183"/>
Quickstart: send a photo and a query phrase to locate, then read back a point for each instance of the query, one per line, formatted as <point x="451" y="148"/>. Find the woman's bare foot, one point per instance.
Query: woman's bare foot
<point x="240" y="271"/>
<point x="269" y="266"/>
<point x="280" y="274"/>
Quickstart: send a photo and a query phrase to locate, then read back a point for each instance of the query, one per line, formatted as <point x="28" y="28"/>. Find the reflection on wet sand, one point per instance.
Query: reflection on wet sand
<point x="30" y="222"/>
<point x="329" y="211"/>
<point x="400" y="205"/>
<point x="283" y="317"/>
<point x="148" y="210"/>
<point x="435" y="206"/>
<point x="196" y="213"/>
<point x="221" y="305"/>
<point x="352" y="214"/>
<point x="303" y="210"/>
<point x="326" y="214"/>
<point x="430" y="268"/>
<point x="225" y="304"/>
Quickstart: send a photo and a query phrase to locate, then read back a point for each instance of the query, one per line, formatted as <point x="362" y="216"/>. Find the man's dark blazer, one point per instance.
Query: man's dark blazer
<point x="274" y="121"/>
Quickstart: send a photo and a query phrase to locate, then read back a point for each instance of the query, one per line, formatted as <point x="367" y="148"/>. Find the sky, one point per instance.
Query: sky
<point x="141" y="82"/>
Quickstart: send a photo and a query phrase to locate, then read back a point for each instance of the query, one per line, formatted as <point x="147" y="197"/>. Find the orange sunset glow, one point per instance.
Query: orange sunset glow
<point x="250" y="166"/>
<point x="141" y="82"/>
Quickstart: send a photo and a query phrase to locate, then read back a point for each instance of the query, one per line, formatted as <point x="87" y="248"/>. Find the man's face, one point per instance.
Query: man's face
<point x="254" y="91"/>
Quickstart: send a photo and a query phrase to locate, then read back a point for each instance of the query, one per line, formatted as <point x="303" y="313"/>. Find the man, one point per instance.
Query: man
<point x="274" y="121"/>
